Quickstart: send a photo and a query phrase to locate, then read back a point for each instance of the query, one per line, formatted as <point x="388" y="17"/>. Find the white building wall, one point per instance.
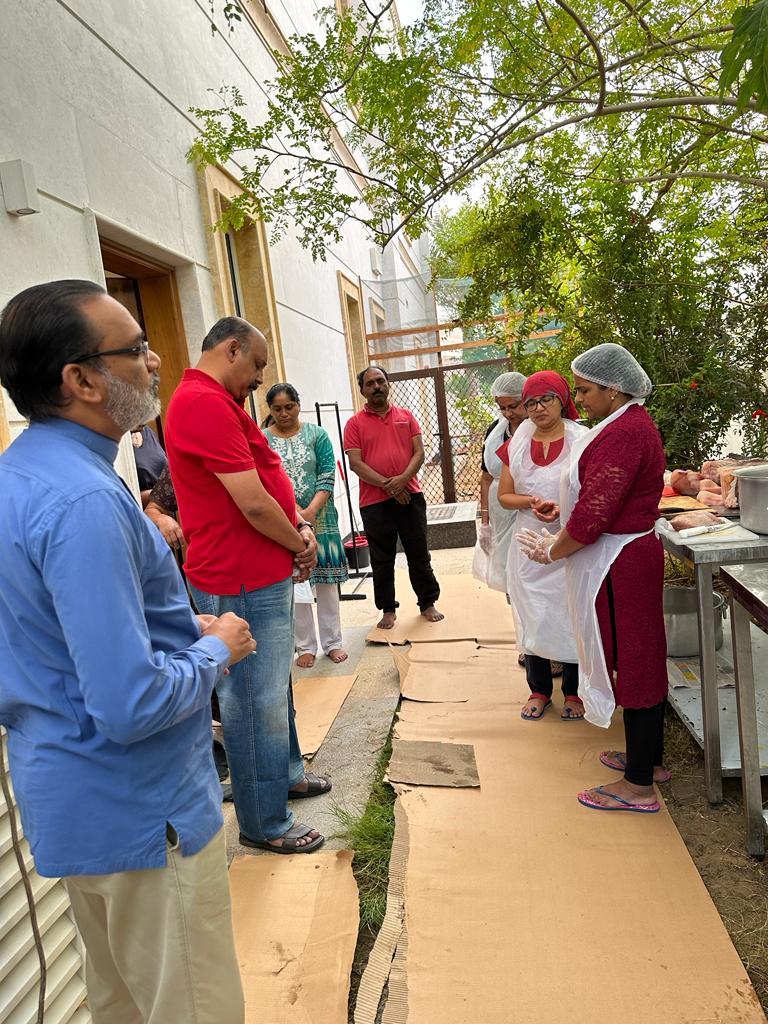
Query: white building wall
<point x="96" y="96"/>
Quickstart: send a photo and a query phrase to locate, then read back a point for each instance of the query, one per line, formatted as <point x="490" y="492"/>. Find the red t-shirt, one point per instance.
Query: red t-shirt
<point x="208" y="432"/>
<point x="386" y="445"/>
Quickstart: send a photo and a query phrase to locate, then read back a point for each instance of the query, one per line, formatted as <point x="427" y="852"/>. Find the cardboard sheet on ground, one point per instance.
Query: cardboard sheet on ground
<point x="472" y="612"/>
<point x="609" y="906"/>
<point x="318" y="699"/>
<point x="295" y="921"/>
<point x="427" y="763"/>
<point x="448" y="672"/>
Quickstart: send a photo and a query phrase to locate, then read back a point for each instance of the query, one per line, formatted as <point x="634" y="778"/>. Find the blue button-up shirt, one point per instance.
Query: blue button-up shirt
<point x="105" y="681"/>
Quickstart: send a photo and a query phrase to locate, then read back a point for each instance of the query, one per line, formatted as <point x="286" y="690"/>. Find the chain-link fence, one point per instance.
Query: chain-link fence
<point x="454" y="407"/>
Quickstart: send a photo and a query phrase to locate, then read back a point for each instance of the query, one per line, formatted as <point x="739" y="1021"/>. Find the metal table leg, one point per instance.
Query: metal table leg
<point x="710" y="710"/>
<point x="748" y="739"/>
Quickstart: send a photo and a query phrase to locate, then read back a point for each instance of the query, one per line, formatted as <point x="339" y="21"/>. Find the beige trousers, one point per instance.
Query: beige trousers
<point x="159" y="942"/>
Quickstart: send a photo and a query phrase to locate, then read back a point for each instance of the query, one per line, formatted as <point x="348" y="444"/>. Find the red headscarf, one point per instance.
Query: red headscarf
<point x="547" y="382"/>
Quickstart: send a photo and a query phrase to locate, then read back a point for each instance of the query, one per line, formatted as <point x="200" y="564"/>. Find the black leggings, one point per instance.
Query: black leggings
<point x="538" y="672"/>
<point x="644" y="732"/>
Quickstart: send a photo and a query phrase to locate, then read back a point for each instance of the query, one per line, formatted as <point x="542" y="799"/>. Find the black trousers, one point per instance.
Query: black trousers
<point x="538" y="672"/>
<point x="644" y="732"/>
<point x="383" y="523"/>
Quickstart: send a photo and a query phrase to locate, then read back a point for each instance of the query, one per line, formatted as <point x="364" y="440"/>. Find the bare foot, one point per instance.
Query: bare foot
<point x="305" y="660"/>
<point x="535" y="707"/>
<point x="431" y="614"/>
<point x="617" y="760"/>
<point x="386" y="621"/>
<point x="338" y="655"/>
<point x="639" y="795"/>
<point x="572" y="709"/>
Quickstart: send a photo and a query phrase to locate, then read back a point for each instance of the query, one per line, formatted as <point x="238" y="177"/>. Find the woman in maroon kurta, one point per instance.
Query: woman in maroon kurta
<point x="621" y="477"/>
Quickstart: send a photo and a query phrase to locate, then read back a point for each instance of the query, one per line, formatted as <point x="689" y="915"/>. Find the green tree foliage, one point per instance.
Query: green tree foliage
<point x="619" y="146"/>
<point x="685" y="289"/>
<point x="364" y="124"/>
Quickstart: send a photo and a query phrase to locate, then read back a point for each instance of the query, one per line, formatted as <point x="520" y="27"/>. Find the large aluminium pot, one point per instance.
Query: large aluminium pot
<point x="681" y="622"/>
<point x="753" y="497"/>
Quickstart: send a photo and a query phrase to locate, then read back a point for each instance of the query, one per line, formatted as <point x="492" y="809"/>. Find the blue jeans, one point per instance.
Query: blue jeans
<point x="257" y="713"/>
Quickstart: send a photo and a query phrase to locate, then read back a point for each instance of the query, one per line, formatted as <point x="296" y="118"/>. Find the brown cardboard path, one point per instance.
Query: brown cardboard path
<point x="521" y="905"/>
<point x="472" y="612"/>
<point x="295" y="921"/>
<point x="318" y="700"/>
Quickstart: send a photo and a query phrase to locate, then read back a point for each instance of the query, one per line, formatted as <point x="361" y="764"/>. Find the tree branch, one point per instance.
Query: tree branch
<point x="595" y="46"/>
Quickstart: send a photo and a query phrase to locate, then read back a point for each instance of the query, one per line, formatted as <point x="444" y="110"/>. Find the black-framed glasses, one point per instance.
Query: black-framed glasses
<point x="142" y="349"/>
<point x="543" y="401"/>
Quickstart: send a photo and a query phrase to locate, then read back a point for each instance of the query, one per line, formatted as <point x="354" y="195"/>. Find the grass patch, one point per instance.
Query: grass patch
<point x="370" y="835"/>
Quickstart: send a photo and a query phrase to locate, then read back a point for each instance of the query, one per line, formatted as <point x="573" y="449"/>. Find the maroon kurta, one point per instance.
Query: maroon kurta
<point x="622" y="477"/>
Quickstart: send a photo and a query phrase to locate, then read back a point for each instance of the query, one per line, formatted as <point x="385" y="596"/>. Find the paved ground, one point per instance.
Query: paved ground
<point x="351" y="748"/>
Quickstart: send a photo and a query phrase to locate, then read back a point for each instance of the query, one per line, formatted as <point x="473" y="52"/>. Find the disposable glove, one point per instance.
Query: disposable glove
<point x="484" y="538"/>
<point x="536" y="545"/>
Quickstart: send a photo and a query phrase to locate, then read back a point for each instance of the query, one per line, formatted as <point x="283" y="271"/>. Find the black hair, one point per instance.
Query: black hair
<point x="229" y="327"/>
<point x="278" y="389"/>
<point x="361" y="375"/>
<point x="41" y="330"/>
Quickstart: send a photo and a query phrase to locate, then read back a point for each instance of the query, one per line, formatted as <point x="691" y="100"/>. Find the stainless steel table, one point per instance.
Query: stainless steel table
<point x="706" y="557"/>
<point x="749" y="599"/>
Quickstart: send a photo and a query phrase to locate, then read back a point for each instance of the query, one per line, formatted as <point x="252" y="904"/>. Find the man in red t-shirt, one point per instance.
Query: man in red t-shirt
<point x="385" y="450"/>
<point x="245" y="538"/>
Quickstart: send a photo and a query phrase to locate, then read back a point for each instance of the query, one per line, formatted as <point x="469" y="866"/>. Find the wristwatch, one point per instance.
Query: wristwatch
<point x="304" y="524"/>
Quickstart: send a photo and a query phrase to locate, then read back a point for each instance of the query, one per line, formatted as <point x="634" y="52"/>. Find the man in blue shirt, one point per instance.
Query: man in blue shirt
<point x="107" y="674"/>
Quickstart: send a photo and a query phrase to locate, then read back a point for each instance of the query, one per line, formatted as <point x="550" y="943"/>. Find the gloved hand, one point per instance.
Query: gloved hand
<point x="536" y="545"/>
<point x="484" y="537"/>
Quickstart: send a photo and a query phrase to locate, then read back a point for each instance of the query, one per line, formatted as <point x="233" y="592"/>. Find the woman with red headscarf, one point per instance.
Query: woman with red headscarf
<point x="614" y="571"/>
<point x="530" y="483"/>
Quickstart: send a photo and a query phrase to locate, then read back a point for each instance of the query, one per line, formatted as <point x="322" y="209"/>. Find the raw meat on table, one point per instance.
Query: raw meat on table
<point x="712" y="498"/>
<point x="711" y="470"/>
<point x="709" y="485"/>
<point x="685" y="481"/>
<point x="687" y="520"/>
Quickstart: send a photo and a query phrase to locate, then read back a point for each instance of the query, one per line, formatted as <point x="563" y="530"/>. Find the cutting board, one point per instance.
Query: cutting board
<point x="681" y="503"/>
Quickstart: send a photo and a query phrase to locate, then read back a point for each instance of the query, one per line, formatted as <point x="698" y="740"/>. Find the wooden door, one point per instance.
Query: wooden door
<point x="148" y="290"/>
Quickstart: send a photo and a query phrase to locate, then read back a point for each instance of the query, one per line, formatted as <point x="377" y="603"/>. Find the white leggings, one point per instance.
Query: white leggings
<point x="328" y="618"/>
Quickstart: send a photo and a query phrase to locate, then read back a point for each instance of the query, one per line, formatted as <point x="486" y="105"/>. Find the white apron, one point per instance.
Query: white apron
<point x="503" y="520"/>
<point x="584" y="574"/>
<point x="537" y="592"/>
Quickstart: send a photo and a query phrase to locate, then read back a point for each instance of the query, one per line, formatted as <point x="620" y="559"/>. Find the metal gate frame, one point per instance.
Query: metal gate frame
<point x="437" y="373"/>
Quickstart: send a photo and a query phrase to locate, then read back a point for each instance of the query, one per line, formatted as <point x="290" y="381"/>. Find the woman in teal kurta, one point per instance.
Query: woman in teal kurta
<point x="309" y="461"/>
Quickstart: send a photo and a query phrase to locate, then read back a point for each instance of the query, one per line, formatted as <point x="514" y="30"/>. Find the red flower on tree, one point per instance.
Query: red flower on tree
<point x="694" y="384"/>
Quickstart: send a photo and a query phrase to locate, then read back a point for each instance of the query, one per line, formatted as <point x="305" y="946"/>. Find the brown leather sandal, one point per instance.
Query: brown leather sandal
<point x="317" y="785"/>
<point x="290" y="841"/>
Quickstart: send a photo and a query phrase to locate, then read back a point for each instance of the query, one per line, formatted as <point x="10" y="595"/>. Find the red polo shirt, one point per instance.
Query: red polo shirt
<point x="386" y="446"/>
<point x="208" y="432"/>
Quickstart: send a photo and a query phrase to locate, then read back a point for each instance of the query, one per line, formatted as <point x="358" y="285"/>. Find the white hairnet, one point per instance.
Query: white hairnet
<point x="613" y="367"/>
<point x="508" y="385"/>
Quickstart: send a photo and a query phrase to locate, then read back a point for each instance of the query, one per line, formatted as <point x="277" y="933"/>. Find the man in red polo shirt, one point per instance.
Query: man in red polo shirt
<point x="385" y="450"/>
<point x="245" y="538"/>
